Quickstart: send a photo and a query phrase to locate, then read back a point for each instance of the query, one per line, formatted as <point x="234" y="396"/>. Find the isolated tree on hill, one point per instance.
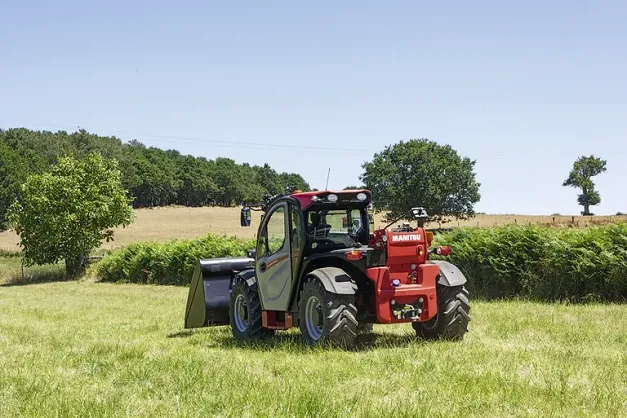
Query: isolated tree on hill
<point x="581" y="177"/>
<point x="66" y="213"/>
<point x="423" y="173"/>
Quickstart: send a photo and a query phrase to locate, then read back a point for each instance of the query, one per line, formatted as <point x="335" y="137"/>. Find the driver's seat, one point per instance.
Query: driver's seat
<point x="317" y="229"/>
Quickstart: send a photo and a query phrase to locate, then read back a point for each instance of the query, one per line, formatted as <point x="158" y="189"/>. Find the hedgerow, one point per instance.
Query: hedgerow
<point x="542" y="263"/>
<point x="170" y="263"/>
<point x="534" y="262"/>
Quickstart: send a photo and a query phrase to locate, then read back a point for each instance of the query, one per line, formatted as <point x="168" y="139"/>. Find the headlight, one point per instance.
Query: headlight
<point x="361" y="197"/>
<point x="332" y="198"/>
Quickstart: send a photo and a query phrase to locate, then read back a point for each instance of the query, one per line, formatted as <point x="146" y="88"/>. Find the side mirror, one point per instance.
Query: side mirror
<point x="245" y="217"/>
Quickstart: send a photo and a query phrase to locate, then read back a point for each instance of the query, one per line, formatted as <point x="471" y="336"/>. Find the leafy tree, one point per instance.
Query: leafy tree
<point x="353" y="187"/>
<point x="154" y="177"/>
<point x="420" y="172"/>
<point x="269" y="180"/>
<point x="197" y="188"/>
<point x="294" y="181"/>
<point x="581" y="177"/>
<point x="66" y="213"/>
<point x="12" y="173"/>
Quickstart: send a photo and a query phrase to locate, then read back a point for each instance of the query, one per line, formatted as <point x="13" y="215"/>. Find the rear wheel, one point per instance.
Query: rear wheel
<point x="451" y="321"/>
<point x="325" y="316"/>
<point x="245" y="312"/>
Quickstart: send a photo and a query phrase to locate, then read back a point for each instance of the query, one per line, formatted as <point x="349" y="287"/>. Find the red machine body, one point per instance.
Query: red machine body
<point x="406" y="279"/>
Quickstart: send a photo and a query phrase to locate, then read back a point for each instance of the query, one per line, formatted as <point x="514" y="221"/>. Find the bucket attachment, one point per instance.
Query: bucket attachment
<point x="210" y="291"/>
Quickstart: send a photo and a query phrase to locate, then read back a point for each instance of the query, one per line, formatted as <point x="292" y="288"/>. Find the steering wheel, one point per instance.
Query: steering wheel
<point x="325" y="241"/>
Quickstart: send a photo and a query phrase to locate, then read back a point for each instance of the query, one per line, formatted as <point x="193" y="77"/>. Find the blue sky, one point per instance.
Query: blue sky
<point x="522" y="87"/>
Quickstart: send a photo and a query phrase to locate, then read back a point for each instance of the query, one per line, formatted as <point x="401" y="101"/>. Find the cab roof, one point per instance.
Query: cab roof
<point x="345" y="197"/>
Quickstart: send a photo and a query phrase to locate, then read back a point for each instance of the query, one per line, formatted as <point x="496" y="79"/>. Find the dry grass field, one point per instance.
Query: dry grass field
<point x="163" y="224"/>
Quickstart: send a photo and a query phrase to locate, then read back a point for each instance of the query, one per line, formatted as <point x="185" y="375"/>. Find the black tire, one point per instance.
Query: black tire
<point x="451" y="321"/>
<point x="248" y="325"/>
<point x="365" y="328"/>
<point x="337" y="314"/>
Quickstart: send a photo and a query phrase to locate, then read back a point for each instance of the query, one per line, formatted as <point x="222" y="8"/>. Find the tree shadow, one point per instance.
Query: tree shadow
<point x="39" y="277"/>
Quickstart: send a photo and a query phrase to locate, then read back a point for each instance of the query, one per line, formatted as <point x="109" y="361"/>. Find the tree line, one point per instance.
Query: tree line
<point x="152" y="176"/>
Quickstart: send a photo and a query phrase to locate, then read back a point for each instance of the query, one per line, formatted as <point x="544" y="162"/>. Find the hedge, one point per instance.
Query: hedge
<point x="170" y="263"/>
<point x="542" y="263"/>
<point x="532" y="262"/>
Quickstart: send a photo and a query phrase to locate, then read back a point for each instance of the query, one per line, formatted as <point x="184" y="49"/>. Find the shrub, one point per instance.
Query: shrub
<point x="511" y="261"/>
<point x="170" y="263"/>
<point x="542" y="263"/>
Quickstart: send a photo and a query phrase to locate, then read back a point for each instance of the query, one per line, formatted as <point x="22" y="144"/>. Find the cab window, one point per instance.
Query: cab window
<point x="335" y="227"/>
<point x="275" y="231"/>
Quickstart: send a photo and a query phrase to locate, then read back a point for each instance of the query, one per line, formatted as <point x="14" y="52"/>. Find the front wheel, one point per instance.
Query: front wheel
<point x="245" y="312"/>
<point x="325" y="316"/>
<point x="451" y="321"/>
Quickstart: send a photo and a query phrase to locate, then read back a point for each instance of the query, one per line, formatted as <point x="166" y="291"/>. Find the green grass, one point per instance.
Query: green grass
<point x="95" y="349"/>
<point x="11" y="272"/>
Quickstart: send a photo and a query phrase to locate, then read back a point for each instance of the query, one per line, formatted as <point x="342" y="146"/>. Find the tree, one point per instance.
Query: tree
<point x="581" y="177"/>
<point x="155" y="177"/>
<point x="293" y="181"/>
<point x="268" y="179"/>
<point x="420" y="172"/>
<point x="66" y="213"/>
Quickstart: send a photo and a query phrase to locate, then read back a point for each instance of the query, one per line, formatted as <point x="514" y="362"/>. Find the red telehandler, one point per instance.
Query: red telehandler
<point x="317" y="266"/>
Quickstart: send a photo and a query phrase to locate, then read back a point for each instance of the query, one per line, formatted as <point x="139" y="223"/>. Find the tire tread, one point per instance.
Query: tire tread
<point x="340" y="312"/>
<point x="451" y="321"/>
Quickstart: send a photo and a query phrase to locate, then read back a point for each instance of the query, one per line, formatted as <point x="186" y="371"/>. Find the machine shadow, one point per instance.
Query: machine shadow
<point x="292" y="342"/>
<point x="181" y="334"/>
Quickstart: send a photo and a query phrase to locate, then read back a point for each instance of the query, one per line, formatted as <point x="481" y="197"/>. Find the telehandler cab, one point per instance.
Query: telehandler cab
<point x="317" y="266"/>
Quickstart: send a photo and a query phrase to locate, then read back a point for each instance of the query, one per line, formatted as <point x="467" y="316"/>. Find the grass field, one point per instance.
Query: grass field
<point x="163" y="224"/>
<point x="92" y="349"/>
<point x="11" y="272"/>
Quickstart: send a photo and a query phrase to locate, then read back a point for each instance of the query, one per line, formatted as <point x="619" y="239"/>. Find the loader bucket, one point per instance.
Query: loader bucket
<point x="210" y="291"/>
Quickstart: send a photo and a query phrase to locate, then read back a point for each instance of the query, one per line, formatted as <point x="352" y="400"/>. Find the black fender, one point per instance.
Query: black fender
<point x="450" y="275"/>
<point x="335" y="280"/>
<point x="248" y="276"/>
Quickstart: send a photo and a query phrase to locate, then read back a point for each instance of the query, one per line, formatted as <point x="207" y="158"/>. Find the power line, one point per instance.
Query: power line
<point x="217" y="142"/>
<point x="160" y="138"/>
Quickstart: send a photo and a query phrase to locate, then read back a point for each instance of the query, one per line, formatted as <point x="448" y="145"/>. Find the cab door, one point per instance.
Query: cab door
<point x="274" y="263"/>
